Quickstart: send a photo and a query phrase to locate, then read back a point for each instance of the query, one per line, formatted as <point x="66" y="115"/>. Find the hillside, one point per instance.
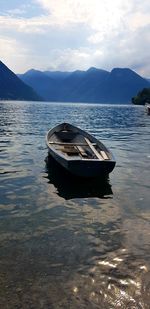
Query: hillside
<point x="93" y="85"/>
<point x="13" y="88"/>
<point x="142" y="97"/>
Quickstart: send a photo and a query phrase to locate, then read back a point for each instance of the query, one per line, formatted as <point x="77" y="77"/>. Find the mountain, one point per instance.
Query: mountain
<point x="93" y="85"/>
<point x="47" y="84"/>
<point x="57" y="74"/>
<point x="88" y="83"/>
<point x="43" y="84"/>
<point x="94" y="82"/>
<point x="119" y="86"/>
<point x="13" y="88"/>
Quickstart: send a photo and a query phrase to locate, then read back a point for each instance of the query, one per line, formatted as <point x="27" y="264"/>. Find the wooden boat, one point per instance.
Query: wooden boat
<point x="147" y="108"/>
<point x="79" y="152"/>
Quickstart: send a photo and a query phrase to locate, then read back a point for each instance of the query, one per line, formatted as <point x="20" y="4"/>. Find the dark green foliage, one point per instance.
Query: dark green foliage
<point x="142" y="97"/>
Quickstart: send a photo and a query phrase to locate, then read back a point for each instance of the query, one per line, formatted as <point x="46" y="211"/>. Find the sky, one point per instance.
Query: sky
<point x="67" y="35"/>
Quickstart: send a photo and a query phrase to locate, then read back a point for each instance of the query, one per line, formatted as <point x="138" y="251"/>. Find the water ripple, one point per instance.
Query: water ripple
<point x="66" y="242"/>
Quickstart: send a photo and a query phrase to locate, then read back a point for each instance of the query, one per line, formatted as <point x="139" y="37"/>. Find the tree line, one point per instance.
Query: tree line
<point x="142" y="97"/>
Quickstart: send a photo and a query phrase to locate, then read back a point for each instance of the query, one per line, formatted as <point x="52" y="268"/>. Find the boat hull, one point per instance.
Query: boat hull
<point x="147" y="105"/>
<point x="85" y="168"/>
<point x="82" y="167"/>
<point x="91" y="169"/>
<point x="148" y="110"/>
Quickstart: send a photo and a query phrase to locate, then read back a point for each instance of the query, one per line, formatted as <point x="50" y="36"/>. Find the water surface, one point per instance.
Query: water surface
<point x="67" y="243"/>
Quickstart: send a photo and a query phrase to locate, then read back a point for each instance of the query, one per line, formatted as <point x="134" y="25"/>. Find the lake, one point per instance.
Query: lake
<point x="66" y="243"/>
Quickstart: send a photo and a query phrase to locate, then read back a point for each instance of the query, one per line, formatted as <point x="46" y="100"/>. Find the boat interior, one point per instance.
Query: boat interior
<point x="74" y="144"/>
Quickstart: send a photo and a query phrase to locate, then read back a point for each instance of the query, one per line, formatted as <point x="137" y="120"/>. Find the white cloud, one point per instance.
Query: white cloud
<point x="12" y="52"/>
<point x="25" y="25"/>
<point x="139" y="20"/>
<point x="70" y="59"/>
<point x="94" y="13"/>
<point x="100" y="16"/>
<point x="77" y="34"/>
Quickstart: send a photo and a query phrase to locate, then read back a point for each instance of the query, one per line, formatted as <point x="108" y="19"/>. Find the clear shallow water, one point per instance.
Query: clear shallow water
<point x="71" y="244"/>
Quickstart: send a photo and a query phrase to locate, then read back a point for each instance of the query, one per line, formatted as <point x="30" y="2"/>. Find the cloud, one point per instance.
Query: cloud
<point x="98" y="15"/>
<point x="12" y="52"/>
<point x="101" y="17"/>
<point x="25" y="25"/>
<point x="139" y="20"/>
<point x="77" y="34"/>
<point x="94" y="13"/>
<point x="70" y="59"/>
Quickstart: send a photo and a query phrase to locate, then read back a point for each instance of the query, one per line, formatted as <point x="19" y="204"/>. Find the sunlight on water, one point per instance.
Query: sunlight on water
<point x="68" y="243"/>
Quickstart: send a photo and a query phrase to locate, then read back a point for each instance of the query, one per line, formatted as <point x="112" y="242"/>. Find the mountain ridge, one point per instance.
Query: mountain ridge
<point x="94" y="85"/>
<point x="13" y="88"/>
<point x="91" y="86"/>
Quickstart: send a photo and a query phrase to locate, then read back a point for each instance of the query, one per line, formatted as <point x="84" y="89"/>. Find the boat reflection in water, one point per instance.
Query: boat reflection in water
<point x="70" y="187"/>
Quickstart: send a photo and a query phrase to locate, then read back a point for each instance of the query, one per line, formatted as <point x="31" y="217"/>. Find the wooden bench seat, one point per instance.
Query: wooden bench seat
<point x="97" y="154"/>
